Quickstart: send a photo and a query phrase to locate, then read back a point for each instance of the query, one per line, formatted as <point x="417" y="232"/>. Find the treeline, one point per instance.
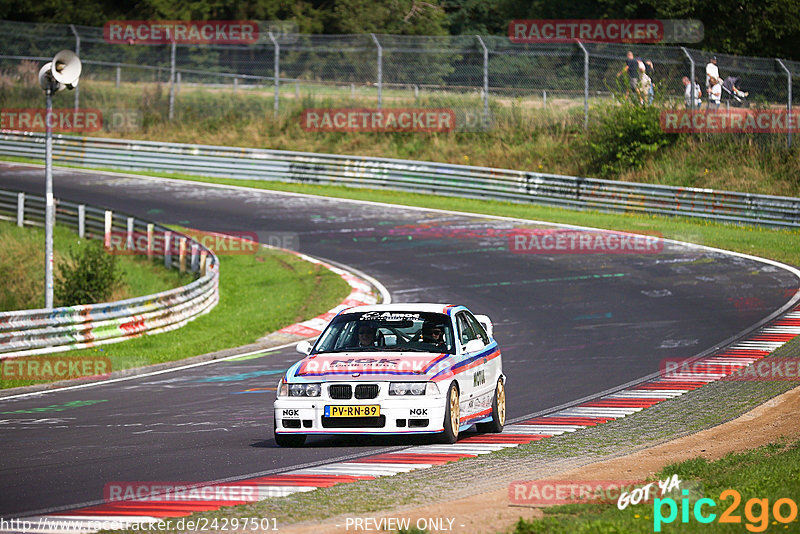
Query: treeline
<point x="766" y="28"/>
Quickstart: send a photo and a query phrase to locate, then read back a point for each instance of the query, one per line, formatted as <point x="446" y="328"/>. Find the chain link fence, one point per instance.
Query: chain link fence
<point x="478" y="76"/>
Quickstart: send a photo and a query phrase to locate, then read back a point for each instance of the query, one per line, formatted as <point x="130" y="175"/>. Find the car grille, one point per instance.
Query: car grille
<point x="354" y="422"/>
<point x="366" y="391"/>
<point x="340" y="391"/>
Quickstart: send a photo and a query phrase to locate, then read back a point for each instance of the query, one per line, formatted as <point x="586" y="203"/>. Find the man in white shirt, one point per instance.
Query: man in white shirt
<point x="687" y="93"/>
<point x="711" y="71"/>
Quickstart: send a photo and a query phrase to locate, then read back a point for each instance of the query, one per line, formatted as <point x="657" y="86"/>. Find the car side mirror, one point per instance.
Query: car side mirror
<point x="473" y="345"/>
<point x="304" y="347"/>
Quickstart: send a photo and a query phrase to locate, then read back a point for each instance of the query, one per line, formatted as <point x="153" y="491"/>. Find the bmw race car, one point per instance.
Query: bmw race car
<point x="394" y="369"/>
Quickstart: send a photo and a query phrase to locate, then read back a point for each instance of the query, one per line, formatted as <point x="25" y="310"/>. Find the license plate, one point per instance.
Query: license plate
<point x="353" y="411"/>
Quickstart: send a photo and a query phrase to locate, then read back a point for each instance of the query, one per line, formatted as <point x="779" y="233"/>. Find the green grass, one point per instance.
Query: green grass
<point x="22" y="268"/>
<point x="769" y="472"/>
<point x="259" y="294"/>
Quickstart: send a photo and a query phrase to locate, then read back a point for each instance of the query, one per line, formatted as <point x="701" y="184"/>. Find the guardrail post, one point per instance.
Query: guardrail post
<point x="380" y="70"/>
<point x="235" y="84"/>
<point x="585" y="86"/>
<point x="119" y="74"/>
<point x="276" y="71"/>
<point x="195" y="263"/>
<point x="107" y="230"/>
<point x="544" y="99"/>
<point x="168" y="249"/>
<point x="129" y="236"/>
<point x="172" y="80"/>
<point x="20" y="209"/>
<point x="788" y="100"/>
<point x="177" y="82"/>
<point x="149" y="241"/>
<point x="182" y="255"/>
<point x="416" y="92"/>
<point x="296" y="89"/>
<point x="81" y="221"/>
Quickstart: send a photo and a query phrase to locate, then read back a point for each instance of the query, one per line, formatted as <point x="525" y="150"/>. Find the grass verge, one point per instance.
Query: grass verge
<point x="758" y="476"/>
<point x="259" y="294"/>
<point x="22" y="268"/>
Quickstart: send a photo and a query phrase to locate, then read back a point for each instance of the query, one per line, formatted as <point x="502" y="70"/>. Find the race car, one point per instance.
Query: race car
<point x="394" y="369"/>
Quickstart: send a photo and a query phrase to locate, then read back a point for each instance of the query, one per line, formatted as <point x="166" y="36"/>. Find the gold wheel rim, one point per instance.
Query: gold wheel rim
<point x="454" y="411"/>
<point x="501" y="403"/>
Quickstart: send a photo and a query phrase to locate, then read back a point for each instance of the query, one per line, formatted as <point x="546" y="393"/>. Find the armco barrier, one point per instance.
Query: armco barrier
<point x="413" y="176"/>
<point x="28" y="332"/>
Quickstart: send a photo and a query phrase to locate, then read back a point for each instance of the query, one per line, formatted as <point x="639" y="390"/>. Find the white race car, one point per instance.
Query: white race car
<point x="395" y="369"/>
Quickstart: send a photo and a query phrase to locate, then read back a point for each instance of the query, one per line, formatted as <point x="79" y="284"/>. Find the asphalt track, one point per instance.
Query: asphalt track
<point x="569" y="325"/>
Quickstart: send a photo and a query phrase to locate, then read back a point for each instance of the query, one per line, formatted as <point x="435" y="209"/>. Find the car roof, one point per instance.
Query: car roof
<point x="404" y="307"/>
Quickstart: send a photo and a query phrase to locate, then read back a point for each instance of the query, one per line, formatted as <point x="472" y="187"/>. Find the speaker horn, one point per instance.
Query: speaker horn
<point x="46" y="80"/>
<point x="66" y="68"/>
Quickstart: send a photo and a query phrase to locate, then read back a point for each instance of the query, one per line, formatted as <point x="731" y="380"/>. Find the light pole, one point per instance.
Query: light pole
<point x="63" y="72"/>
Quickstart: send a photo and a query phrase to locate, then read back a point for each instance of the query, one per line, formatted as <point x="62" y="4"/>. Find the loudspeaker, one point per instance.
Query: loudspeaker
<point x="66" y="68"/>
<point x="46" y="80"/>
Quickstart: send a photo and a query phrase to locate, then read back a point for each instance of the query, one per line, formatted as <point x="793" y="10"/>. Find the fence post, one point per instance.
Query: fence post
<point x="20" y="209"/>
<point x="276" y="70"/>
<point x="107" y="230"/>
<point x="77" y="53"/>
<point x="203" y="262"/>
<point x="544" y="99"/>
<point x="235" y="84"/>
<point x="172" y="80"/>
<point x="182" y="255"/>
<point x="485" y="81"/>
<point x="81" y="221"/>
<point x="585" y="85"/>
<point x="119" y="74"/>
<point x="691" y="77"/>
<point x="195" y="264"/>
<point x="167" y="249"/>
<point x="380" y="70"/>
<point x="788" y="100"/>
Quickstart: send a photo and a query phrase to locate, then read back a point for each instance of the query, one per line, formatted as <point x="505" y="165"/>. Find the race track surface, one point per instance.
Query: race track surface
<point x="569" y="325"/>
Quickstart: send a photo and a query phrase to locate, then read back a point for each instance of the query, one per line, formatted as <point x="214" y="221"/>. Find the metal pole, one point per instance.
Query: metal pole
<point x="585" y="86"/>
<point x="172" y="80"/>
<point x="691" y="78"/>
<point x="485" y="81"/>
<point x="119" y="75"/>
<point x="380" y="70"/>
<point x="789" y="100"/>
<point x="77" y="53"/>
<point x="276" y="70"/>
<point x="20" y="209"/>
<point x="49" y="205"/>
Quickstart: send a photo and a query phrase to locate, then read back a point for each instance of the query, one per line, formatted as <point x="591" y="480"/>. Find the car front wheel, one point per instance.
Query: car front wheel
<point x="452" y="416"/>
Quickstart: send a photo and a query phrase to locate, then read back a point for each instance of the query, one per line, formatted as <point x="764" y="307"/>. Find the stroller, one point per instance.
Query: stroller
<point x="733" y="94"/>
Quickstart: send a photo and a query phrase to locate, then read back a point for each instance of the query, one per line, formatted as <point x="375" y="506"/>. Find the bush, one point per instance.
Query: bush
<point x="87" y="276"/>
<point x="622" y="137"/>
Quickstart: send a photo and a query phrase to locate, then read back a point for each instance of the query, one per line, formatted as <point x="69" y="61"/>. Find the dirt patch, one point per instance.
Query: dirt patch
<point x="490" y="512"/>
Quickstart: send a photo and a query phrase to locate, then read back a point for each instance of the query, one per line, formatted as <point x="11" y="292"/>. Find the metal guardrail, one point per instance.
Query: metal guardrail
<point x="29" y="332"/>
<point x="413" y="176"/>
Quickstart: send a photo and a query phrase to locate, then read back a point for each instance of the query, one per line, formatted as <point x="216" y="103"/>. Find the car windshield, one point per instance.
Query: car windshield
<point x="389" y="331"/>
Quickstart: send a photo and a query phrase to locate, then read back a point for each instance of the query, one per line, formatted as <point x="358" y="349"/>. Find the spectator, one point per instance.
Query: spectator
<point x="650" y="71"/>
<point x="711" y="71"/>
<point x="687" y="93"/>
<point x="632" y="68"/>
<point x="645" y="85"/>
<point x="714" y="94"/>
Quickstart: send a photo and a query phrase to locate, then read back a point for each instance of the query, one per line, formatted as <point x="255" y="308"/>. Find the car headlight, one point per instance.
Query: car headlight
<point x="299" y="390"/>
<point x="413" y="388"/>
<point x="304" y="390"/>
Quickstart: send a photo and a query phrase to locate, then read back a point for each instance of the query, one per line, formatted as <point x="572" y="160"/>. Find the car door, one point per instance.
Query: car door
<point x="473" y="378"/>
<point x="492" y="367"/>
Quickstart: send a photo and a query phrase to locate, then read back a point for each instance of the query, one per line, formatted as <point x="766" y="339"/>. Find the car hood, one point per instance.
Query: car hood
<point x="389" y="365"/>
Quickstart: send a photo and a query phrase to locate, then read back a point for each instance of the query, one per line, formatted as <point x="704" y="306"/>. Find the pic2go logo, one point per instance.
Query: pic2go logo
<point x="756" y="511"/>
